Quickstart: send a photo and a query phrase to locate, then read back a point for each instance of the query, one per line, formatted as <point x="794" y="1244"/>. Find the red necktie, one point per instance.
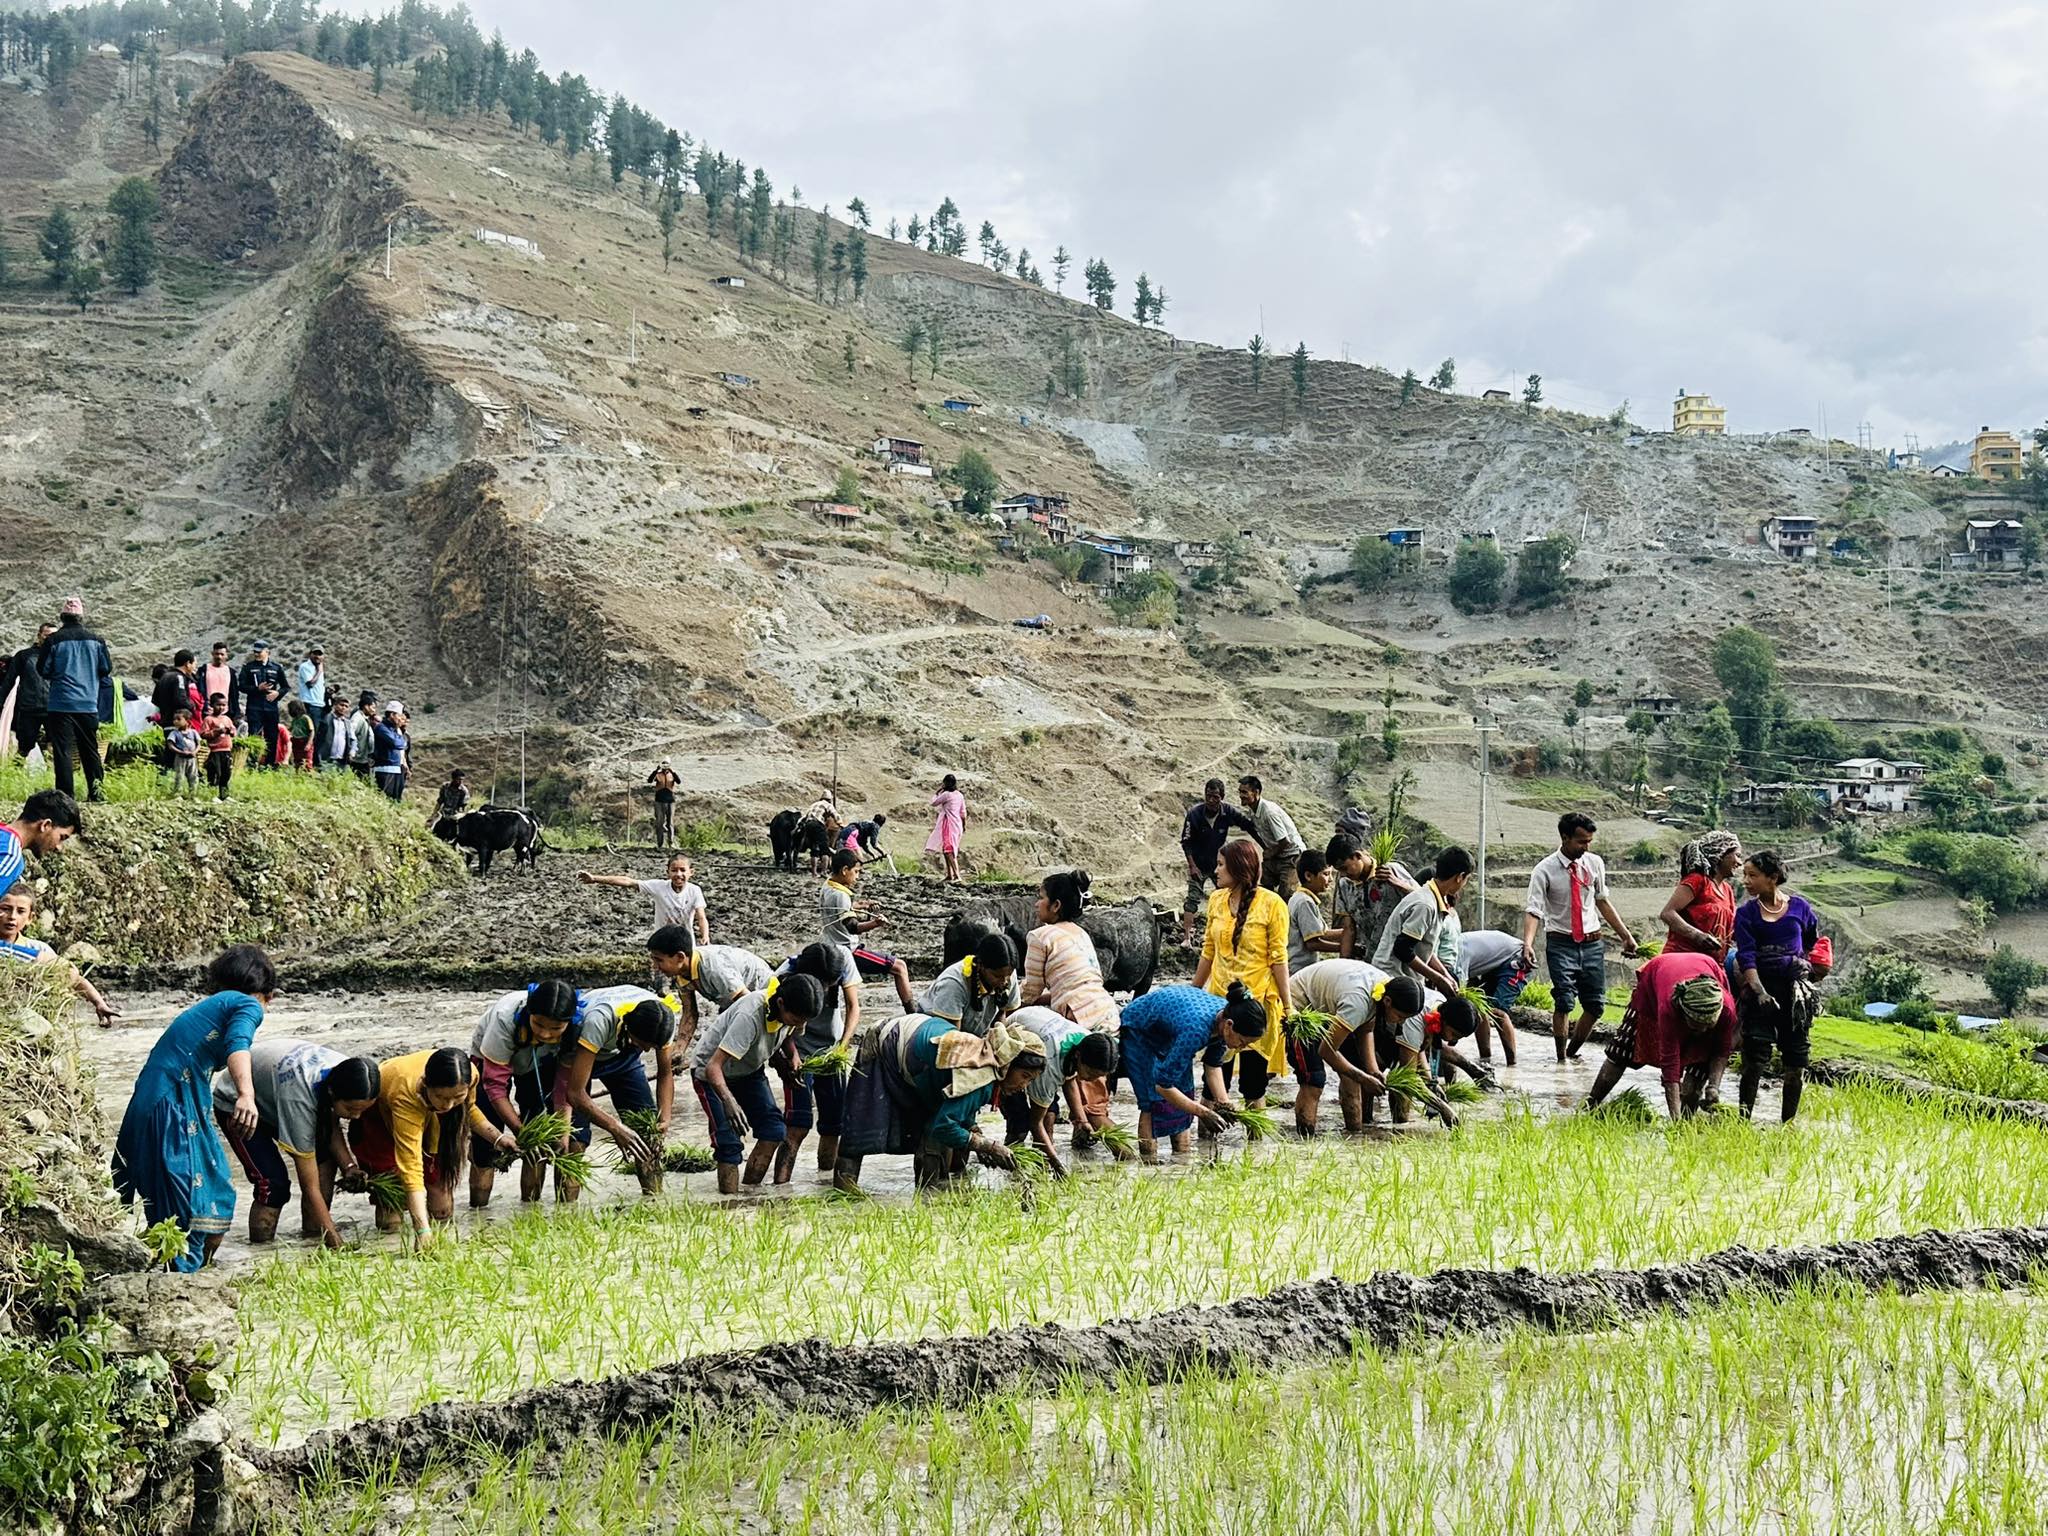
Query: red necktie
<point x="1578" y="911"/>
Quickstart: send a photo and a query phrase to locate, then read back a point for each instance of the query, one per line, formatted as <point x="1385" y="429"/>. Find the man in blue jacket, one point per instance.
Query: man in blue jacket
<point x="75" y="663"/>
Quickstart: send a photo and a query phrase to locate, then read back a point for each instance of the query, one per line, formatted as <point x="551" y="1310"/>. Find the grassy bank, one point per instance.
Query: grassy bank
<point x="343" y="1336"/>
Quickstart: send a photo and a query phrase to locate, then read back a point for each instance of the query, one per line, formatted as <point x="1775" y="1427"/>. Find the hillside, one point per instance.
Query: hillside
<point x="512" y="485"/>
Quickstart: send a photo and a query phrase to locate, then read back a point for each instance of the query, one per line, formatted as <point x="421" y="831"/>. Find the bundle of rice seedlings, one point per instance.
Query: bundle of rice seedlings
<point x="1310" y="1027"/>
<point x="539" y="1135"/>
<point x="1630" y="1106"/>
<point x="687" y="1159"/>
<point x="1120" y="1139"/>
<point x="1030" y="1159"/>
<point x="1478" y="999"/>
<point x="644" y="1123"/>
<point x="1462" y="1092"/>
<point x="387" y="1190"/>
<point x="575" y="1166"/>
<point x="1258" y="1123"/>
<point x="1406" y="1080"/>
<point x="836" y="1060"/>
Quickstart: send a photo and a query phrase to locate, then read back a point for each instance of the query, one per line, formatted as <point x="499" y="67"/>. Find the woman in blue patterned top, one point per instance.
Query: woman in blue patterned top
<point x="167" y="1151"/>
<point x="1163" y="1032"/>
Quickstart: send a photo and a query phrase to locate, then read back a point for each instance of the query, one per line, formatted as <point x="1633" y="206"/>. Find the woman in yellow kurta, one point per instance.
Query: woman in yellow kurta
<point x="1246" y="940"/>
<point x="417" y="1131"/>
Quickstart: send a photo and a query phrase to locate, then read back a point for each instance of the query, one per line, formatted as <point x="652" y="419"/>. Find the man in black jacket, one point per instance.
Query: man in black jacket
<point x="263" y="691"/>
<point x="31" y="692"/>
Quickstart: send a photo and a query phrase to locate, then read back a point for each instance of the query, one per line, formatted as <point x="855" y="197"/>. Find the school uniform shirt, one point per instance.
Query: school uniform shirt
<point x="1275" y="829"/>
<point x="1450" y="944"/>
<point x="13" y="858"/>
<point x="957" y="998"/>
<point x="721" y="972"/>
<point x="1551" y="885"/>
<point x="821" y="1033"/>
<point x="1341" y="988"/>
<point x="1485" y="951"/>
<point x="286" y="1075"/>
<point x="1304" y="920"/>
<point x="1250" y="959"/>
<point x="496" y="1036"/>
<point x="1056" y="1034"/>
<point x="745" y="1034"/>
<point x="835" y="915"/>
<point x="26" y="950"/>
<point x="1420" y="917"/>
<point x="672" y="905"/>
<point x="600" y="1031"/>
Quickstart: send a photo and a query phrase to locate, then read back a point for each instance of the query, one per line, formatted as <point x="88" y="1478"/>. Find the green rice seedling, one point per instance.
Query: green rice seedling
<point x="575" y="1166"/>
<point x="1259" y="1124"/>
<point x="542" y="1133"/>
<point x="1310" y="1027"/>
<point x="687" y="1159"/>
<point x="387" y="1190"/>
<point x="1460" y="1091"/>
<point x="1481" y="1004"/>
<point x="645" y="1123"/>
<point x="1405" y="1079"/>
<point x="1030" y="1159"/>
<point x="835" y="1060"/>
<point x="1120" y="1139"/>
<point x="1631" y="1106"/>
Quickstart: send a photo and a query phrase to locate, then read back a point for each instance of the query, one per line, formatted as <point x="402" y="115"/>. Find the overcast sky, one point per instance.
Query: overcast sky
<point x="1783" y="204"/>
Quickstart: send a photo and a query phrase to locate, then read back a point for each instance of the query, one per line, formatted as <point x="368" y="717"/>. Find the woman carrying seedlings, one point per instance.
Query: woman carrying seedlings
<point x="974" y="994"/>
<point x="1374" y="1022"/>
<point x="718" y="974"/>
<point x="728" y="1066"/>
<point x="1163" y="1032"/>
<point x="949" y="825"/>
<point x="424" y="1101"/>
<point x="1680" y="1019"/>
<point x="1246" y="940"/>
<point x="616" y="1027"/>
<point x="514" y="1048"/>
<point x="305" y="1094"/>
<point x="917" y="1089"/>
<point x="1700" y="914"/>
<point x="818" y="1096"/>
<point x="1062" y="972"/>
<point x="167" y="1152"/>
<point x="1779" y="954"/>
<point x="1073" y="1056"/>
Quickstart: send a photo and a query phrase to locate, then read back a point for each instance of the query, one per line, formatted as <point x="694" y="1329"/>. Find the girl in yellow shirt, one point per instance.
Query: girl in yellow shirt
<point x="416" y="1131"/>
<point x="1246" y="940"/>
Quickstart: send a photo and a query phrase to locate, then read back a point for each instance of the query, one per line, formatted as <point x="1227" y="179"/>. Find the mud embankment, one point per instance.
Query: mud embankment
<point x="262" y="173"/>
<point x="1294" y="1325"/>
<point x="1865" y="1074"/>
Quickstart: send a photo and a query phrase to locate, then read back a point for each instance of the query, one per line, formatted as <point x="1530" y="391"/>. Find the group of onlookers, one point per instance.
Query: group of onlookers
<point x="62" y="688"/>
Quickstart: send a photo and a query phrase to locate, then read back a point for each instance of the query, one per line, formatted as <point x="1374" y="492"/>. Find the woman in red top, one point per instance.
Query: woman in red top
<point x="1681" y="1020"/>
<point x="1700" y="916"/>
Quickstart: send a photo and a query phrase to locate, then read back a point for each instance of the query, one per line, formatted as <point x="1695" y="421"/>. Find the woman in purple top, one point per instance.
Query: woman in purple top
<point x="1775" y="932"/>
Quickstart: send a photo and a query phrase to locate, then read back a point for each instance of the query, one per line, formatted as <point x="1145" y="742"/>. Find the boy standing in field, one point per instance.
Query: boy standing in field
<point x="219" y="730"/>
<point x="1309" y="936"/>
<point x="676" y="899"/>
<point x="1567" y="900"/>
<point x="182" y="742"/>
<point x="842" y="921"/>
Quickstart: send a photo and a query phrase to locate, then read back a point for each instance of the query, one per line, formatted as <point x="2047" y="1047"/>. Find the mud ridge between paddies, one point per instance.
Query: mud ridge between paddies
<point x="1298" y="1323"/>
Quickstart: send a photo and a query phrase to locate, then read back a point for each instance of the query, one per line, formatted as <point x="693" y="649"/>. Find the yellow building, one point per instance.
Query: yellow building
<point x="1996" y="456"/>
<point x="1698" y="416"/>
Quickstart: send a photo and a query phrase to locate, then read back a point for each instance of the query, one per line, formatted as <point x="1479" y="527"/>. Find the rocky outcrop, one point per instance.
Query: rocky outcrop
<point x="365" y="411"/>
<point x="263" y="177"/>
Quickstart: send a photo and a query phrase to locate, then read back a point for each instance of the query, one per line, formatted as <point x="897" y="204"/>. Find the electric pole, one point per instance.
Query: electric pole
<point x="1485" y="725"/>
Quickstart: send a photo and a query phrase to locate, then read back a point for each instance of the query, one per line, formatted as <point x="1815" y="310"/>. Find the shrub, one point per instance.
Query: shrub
<point x="1373" y="563"/>
<point x="1888" y="977"/>
<point x="63" y="1406"/>
<point x="1151" y="601"/>
<point x="2011" y="976"/>
<point x="1540" y="572"/>
<point x="1477" y="573"/>
<point x="1644" y="852"/>
<point x="1997" y="870"/>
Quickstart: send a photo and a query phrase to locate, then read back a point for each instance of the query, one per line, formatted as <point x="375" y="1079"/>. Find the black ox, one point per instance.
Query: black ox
<point x="1126" y="936"/>
<point x="494" y="830"/>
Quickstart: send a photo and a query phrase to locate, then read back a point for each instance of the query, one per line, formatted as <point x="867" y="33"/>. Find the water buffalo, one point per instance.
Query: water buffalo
<point x="494" y="830"/>
<point x="782" y="838"/>
<point x="1126" y="936"/>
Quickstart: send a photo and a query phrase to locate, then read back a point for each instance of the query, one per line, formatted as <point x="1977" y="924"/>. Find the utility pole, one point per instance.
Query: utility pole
<point x="835" y="765"/>
<point x="1485" y="724"/>
<point x="387" y="253"/>
<point x="633" y="337"/>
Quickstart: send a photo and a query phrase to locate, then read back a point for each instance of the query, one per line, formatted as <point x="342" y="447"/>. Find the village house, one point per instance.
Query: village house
<point x="1195" y="554"/>
<point x="838" y="514"/>
<point x="1120" y="557"/>
<point x="967" y="407"/>
<point x="1496" y="394"/>
<point x="1793" y="535"/>
<point x="728" y="281"/>
<point x="901" y="455"/>
<point x="1048" y="512"/>
<point x="1698" y="416"/>
<point x="1989" y="544"/>
<point x="736" y="380"/>
<point x="1946" y="472"/>
<point x="1768" y="797"/>
<point x="1996" y="456"/>
<point x="1658" y="706"/>
<point x="1875" y="784"/>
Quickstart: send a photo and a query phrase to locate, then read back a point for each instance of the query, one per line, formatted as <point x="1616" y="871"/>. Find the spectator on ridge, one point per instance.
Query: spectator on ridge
<point x="31" y="692"/>
<point x="80" y="673"/>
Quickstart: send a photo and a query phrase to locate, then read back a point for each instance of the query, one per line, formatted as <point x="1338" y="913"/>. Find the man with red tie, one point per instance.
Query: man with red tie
<point x="1568" y="899"/>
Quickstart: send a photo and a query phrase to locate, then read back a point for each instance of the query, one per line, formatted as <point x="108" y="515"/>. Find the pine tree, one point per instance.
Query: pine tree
<point x="618" y="138"/>
<point x="1061" y="260"/>
<point x="858" y="212"/>
<point x="846" y="351"/>
<point x="59" y="244"/>
<point x="1408" y="385"/>
<point x="931" y="346"/>
<point x="894" y="227"/>
<point x="1300" y="368"/>
<point x="987" y="238"/>
<point x="1141" y="300"/>
<point x="665" y="216"/>
<point x="1532" y="392"/>
<point x="915" y="229"/>
<point x="821" y="249"/>
<point x="913" y="344"/>
<point x="857" y="263"/>
<point x="760" y="213"/>
<point x="1446" y="375"/>
<point x="1158" y="304"/>
<point x="1257" y="348"/>
<point x="1101" y="283"/>
<point x="133" y="257"/>
<point x="838" y="268"/>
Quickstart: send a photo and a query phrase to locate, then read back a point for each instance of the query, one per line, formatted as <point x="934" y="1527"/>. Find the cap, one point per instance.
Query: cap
<point x="259" y="645"/>
<point x="394" y="706"/>
<point x="314" y="650"/>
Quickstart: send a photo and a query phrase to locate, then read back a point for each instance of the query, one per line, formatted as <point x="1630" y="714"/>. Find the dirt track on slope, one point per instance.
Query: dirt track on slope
<point x="1298" y="1323"/>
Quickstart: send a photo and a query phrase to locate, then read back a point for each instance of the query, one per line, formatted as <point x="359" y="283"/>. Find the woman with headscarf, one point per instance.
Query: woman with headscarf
<point x="948" y="826"/>
<point x="1163" y="1034"/>
<point x="918" y="1086"/>
<point x="167" y="1151"/>
<point x="1246" y="940"/>
<point x="1681" y="1020"/>
<point x="416" y="1131"/>
<point x="1700" y="914"/>
<point x="1063" y="973"/>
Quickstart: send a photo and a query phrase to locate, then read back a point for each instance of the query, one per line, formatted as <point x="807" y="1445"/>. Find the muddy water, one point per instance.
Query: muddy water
<point x="385" y="1023"/>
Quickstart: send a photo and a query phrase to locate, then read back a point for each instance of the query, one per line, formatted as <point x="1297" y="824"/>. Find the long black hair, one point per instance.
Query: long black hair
<point x="1067" y="889"/>
<point x="1094" y="1050"/>
<point x="1245" y="1014"/>
<point x="450" y="1068"/>
<point x="359" y="1077"/>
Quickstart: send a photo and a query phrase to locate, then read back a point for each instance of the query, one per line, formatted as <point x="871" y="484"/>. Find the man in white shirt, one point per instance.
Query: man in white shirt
<point x="676" y="900"/>
<point x="1568" y="900"/>
<point x="1279" y="842"/>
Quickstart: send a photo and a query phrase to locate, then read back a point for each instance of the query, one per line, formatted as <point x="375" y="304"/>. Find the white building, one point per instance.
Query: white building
<point x="1792" y="535"/>
<point x="1875" y="784"/>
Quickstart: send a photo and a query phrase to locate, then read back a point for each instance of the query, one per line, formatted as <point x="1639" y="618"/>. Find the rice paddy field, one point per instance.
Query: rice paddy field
<point x="1831" y="1411"/>
<point x="556" y="1295"/>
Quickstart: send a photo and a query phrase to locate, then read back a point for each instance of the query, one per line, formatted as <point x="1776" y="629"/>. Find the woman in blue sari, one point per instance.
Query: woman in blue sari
<point x="168" y="1152"/>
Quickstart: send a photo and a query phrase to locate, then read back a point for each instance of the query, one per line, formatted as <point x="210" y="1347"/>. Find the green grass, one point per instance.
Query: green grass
<point x="136" y="782"/>
<point x="1827" y="1412"/>
<point x="345" y="1335"/>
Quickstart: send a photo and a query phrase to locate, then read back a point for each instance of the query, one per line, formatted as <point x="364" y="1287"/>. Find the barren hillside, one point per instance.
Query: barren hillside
<point x="557" y="483"/>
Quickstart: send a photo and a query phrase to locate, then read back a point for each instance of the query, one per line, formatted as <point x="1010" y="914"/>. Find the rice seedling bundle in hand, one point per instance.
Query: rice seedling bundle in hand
<point x="1120" y="1139"/>
<point x="1031" y="1160"/>
<point x="539" y="1136"/>
<point x="1462" y="1092"/>
<point x="835" y="1060"/>
<point x="1405" y="1079"/>
<point x="1258" y="1123"/>
<point x="1310" y="1027"/>
<point x="387" y="1190"/>
<point x="1630" y="1107"/>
